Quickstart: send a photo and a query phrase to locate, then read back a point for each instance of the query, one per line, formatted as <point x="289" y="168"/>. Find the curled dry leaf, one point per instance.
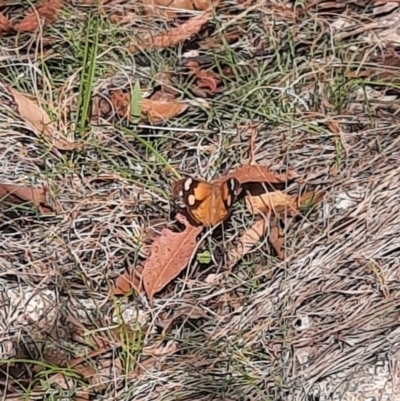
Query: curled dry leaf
<point x="208" y="83"/>
<point x="39" y="120"/>
<point x="279" y="202"/>
<point x="258" y="173"/>
<point x="206" y="79"/>
<point x="47" y="13"/>
<point x="20" y="194"/>
<point x="170" y="254"/>
<point x="126" y="282"/>
<point x="5" y="24"/>
<point x="174" y="36"/>
<point x="156" y="110"/>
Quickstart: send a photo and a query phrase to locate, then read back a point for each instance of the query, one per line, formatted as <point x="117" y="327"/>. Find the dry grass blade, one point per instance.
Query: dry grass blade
<point x="170" y="254"/>
<point x="175" y="35"/>
<point x="47" y="12"/>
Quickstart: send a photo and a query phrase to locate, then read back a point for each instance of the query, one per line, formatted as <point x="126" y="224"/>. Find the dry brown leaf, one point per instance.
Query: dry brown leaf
<point x="277" y="240"/>
<point x="163" y="97"/>
<point x="247" y="241"/>
<point x="179" y="4"/>
<point x="253" y="235"/>
<point x="39" y="120"/>
<point x="279" y="202"/>
<point x="170" y="254"/>
<point x="209" y="83"/>
<point x="160" y="110"/>
<point x="206" y="78"/>
<point x="258" y="173"/>
<point x="5" y="24"/>
<point x="203" y="4"/>
<point x="19" y="194"/>
<point x="47" y="12"/>
<point x="335" y="127"/>
<point x="276" y="201"/>
<point x="199" y="72"/>
<point x="175" y="35"/>
<point x="125" y="283"/>
<point x="156" y="110"/>
<point x="169" y="8"/>
<point x="82" y="395"/>
<point x="167" y="85"/>
<point x="122" y="17"/>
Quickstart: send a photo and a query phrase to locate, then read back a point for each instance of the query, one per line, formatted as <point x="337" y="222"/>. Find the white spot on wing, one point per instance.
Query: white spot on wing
<point x="191" y="200"/>
<point x="187" y="184"/>
<point x="233" y="186"/>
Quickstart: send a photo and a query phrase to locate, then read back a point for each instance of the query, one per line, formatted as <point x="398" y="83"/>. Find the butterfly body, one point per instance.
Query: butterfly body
<point x="207" y="203"/>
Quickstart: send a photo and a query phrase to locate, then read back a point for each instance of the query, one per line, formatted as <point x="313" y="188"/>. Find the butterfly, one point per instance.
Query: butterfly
<point x="206" y="203"/>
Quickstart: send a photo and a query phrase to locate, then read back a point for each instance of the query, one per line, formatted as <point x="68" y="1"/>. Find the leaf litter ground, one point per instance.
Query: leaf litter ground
<point x="320" y="81"/>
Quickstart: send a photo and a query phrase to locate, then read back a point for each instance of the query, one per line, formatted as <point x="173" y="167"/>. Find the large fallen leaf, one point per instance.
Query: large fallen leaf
<point x="156" y="110"/>
<point x="170" y="254"/>
<point x="19" y="194"/>
<point x="174" y="36"/>
<point x="279" y="202"/>
<point x="259" y="173"/>
<point x="39" y="120"/>
<point x="5" y="24"/>
<point x="252" y="236"/>
<point x="47" y="13"/>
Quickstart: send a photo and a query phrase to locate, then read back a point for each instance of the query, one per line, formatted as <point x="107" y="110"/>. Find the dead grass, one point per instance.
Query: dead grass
<point x="319" y="81"/>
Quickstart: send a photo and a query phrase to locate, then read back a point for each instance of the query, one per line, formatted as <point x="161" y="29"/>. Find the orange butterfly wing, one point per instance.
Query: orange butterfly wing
<point x="207" y="203"/>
